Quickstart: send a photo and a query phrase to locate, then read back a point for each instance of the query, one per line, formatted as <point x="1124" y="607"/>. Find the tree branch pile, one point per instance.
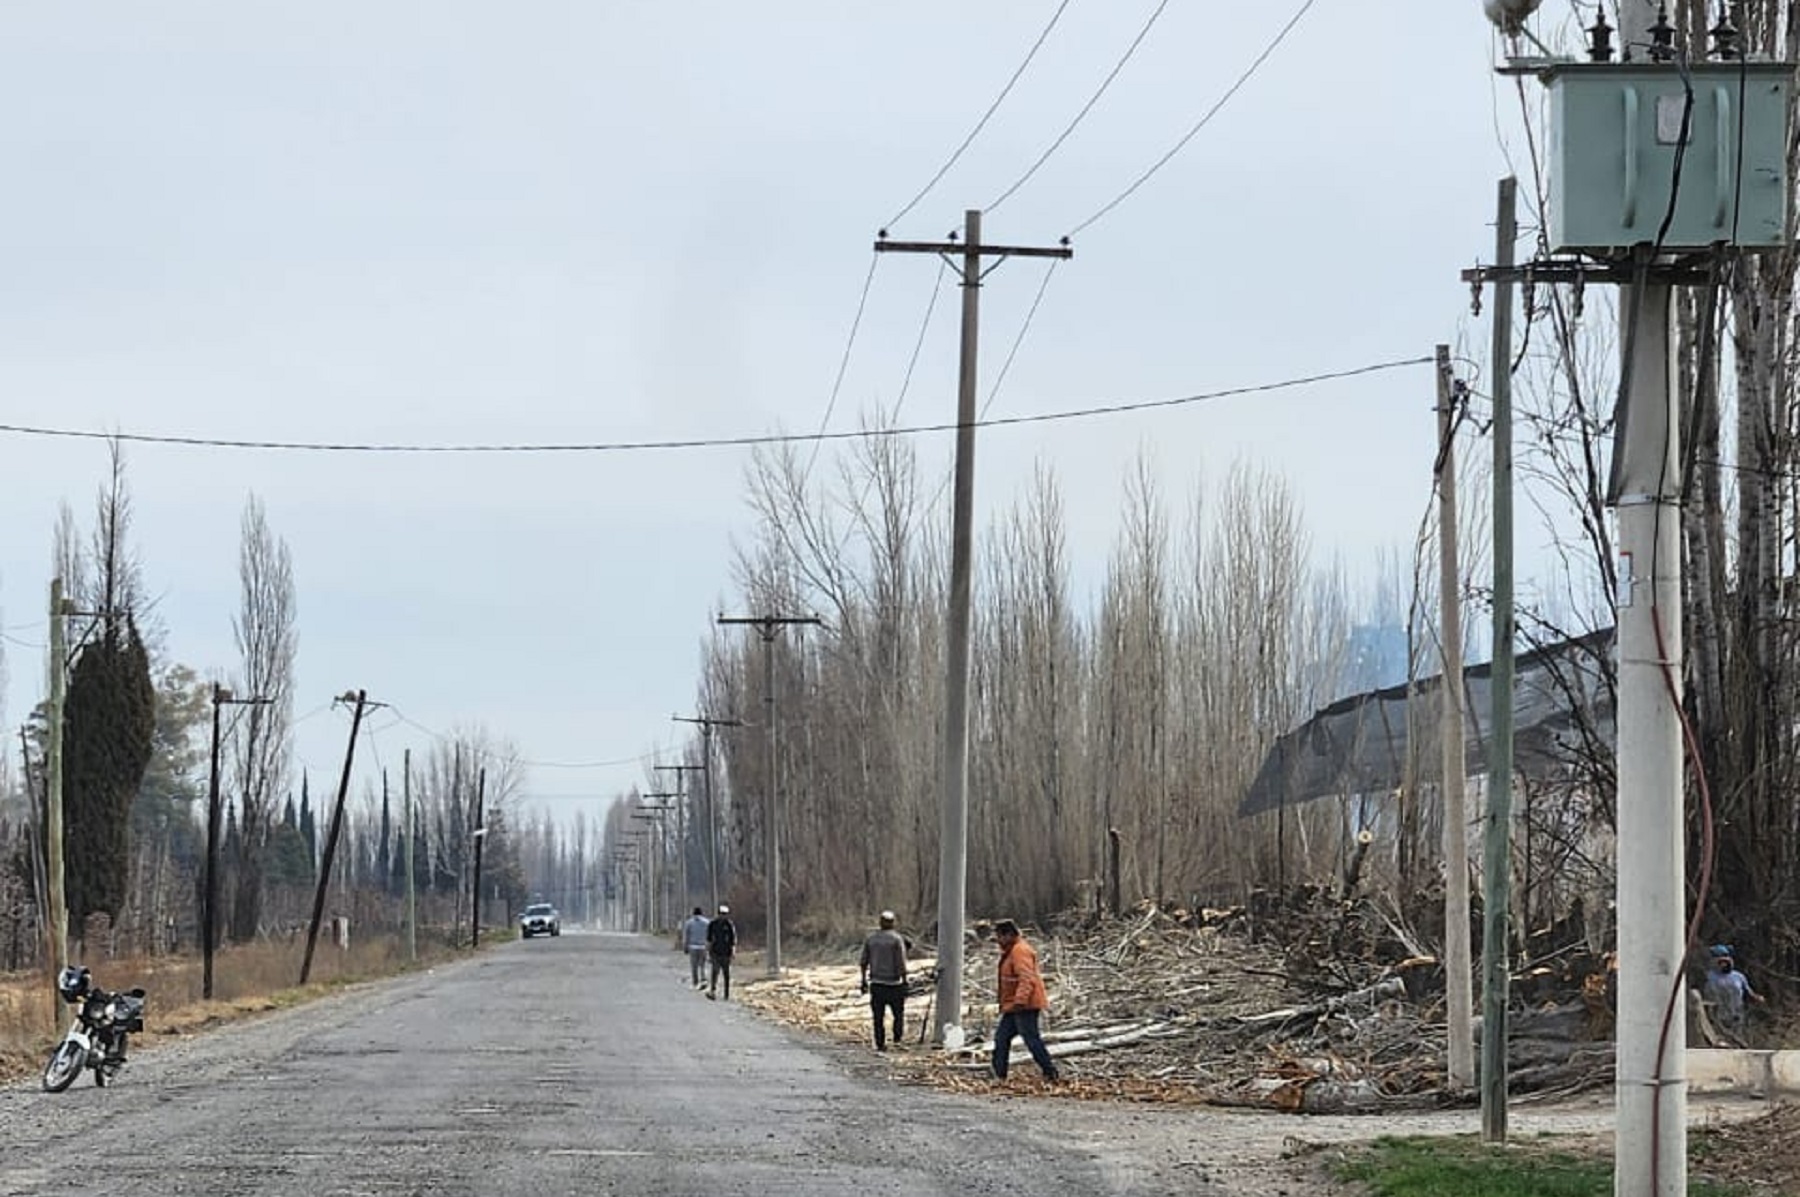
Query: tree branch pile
<point x="1322" y="1006"/>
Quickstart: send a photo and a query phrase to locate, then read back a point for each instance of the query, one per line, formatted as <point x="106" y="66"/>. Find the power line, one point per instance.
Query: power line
<point x="728" y="442"/>
<point x="982" y="123"/>
<point x="1085" y="108"/>
<point x="1205" y="120"/>
<point x="1006" y="366"/>
<point x="837" y="383"/>
<point x="518" y="760"/>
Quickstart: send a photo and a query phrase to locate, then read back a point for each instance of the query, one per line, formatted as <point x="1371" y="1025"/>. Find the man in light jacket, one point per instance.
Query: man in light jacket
<point x="693" y="938"/>
<point x="1022" y="999"/>
<point x="884" y="979"/>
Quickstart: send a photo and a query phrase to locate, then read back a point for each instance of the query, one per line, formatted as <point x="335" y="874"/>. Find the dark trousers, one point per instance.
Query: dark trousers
<point x="1023" y="1023"/>
<point x="721" y="967"/>
<point x="884" y="997"/>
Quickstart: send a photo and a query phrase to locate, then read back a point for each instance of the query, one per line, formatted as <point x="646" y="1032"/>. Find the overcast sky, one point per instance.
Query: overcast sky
<point x="607" y="221"/>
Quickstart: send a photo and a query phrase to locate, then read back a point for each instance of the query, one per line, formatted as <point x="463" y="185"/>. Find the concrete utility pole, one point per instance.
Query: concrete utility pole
<point x="479" y="834"/>
<point x="954" y="838"/>
<point x="1651" y="1077"/>
<point x="681" y="827"/>
<point x="681" y="808"/>
<point x="412" y="899"/>
<point x="769" y="627"/>
<point x="209" y="906"/>
<point x="1496" y="935"/>
<point x="1457" y="971"/>
<point x="712" y="825"/>
<point x="660" y="843"/>
<point x="360" y="699"/>
<point x="58" y="931"/>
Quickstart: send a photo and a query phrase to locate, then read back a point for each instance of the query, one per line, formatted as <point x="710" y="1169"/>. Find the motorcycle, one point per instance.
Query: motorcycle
<point x="97" y="1037"/>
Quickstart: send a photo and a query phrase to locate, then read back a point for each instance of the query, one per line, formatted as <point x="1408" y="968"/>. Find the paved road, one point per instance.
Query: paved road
<point x="581" y="1064"/>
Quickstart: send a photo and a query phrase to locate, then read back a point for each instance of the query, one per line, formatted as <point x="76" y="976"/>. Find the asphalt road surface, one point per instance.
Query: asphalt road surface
<point x="577" y="1065"/>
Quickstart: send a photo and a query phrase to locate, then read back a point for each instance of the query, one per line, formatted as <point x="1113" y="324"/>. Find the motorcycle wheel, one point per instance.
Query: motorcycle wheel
<point x="64" y="1066"/>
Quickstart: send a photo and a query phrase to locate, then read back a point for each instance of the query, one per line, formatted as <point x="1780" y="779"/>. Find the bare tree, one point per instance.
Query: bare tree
<point x="262" y="747"/>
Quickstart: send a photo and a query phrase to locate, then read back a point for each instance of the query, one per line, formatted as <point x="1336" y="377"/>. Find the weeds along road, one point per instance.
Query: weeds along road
<point x="581" y="1064"/>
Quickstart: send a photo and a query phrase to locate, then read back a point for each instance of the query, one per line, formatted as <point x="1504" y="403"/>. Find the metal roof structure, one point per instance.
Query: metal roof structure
<point x="1564" y="698"/>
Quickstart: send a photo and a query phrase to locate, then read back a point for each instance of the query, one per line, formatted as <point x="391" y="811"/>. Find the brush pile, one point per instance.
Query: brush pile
<point x="1309" y="1005"/>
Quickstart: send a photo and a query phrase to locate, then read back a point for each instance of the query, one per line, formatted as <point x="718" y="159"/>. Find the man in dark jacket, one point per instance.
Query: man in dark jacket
<point x="721" y="945"/>
<point x="884" y="979"/>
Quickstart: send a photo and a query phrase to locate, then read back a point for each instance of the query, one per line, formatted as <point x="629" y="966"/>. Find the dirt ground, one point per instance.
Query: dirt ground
<point x="1177" y="1135"/>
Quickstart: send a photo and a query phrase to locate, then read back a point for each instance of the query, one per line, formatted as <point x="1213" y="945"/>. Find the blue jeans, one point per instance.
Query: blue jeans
<point x="1023" y="1023"/>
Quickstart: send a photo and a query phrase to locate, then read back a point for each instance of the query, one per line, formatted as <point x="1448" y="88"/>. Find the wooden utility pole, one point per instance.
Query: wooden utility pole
<point x="361" y="702"/>
<point x="707" y="724"/>
<point x="954" y="840"/>
<point x="479" y="834"/>
<point x="769" y="627"/>
<point x="1496" y="975"/>
<point x="1457" y="971"/>
<point x="209" y="909"/>
<point x="412" y="899"/>
<point x="57" y="932"/>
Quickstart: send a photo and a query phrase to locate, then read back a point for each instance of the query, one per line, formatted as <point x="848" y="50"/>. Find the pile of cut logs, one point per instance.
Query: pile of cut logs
<point x="1208" y="1006"/>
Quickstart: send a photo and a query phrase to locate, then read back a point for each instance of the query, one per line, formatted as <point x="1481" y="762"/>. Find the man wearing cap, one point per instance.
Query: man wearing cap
<point x="721" y="945"/>
<point x="884" y="979"/>
<point x="1022" y="999"/>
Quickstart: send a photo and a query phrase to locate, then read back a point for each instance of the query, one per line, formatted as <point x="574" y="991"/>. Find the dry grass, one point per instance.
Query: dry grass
<point x="247" y="980"/>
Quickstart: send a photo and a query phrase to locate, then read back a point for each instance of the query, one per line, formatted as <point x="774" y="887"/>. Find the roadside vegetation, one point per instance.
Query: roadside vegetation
<point x="247" y="980"/>
<point x="1734" y="1160"/>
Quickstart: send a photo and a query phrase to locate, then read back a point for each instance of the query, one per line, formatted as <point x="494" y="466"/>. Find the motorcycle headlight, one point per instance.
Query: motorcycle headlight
<point x="112" y="1011"/>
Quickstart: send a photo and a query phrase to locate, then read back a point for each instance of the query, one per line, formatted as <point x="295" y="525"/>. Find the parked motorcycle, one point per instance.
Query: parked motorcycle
<point x="97" y="1037"/>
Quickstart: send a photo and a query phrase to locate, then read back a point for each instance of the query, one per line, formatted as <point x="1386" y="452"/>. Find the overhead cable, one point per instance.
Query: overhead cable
<point x="981" y="124"/>
<point x="1106" y="409"/>
<point x="1085" y="108"/>
<point x="1205" y="119"/>
<point x="837" y="384"/>
<point x="509" y="758"/>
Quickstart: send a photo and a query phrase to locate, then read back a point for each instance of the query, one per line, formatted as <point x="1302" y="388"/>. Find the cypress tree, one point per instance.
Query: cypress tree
<point x="384" y="854"/>
<point x="307" y="831"/>
<point x="108" y="736"/>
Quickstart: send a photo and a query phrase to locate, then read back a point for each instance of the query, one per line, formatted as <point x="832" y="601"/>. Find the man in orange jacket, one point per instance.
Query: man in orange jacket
<point x="1022" y="999"/>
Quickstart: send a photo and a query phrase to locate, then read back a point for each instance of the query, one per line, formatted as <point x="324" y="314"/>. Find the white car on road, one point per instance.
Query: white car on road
<point x="540" y="918"/>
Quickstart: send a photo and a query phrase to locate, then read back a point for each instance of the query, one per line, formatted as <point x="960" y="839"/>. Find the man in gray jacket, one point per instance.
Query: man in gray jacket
<point x="884" y="979"/>
<point x="693" y="938"/>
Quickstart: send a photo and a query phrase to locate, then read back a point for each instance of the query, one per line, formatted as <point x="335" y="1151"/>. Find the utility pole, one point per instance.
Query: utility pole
<point x="360" y="700"/>
<point x="671" y="800"/>
<point x="681" y="836"/>
<point x="58" y="937"/>
<point x="480" y="837"/>
<point x="209" y="910"/>
<point x="954" y="840"/>
<point x="1650" y="1086"/>
<point x="681" y="772"/>
<point x="412" y="899"/>
<point x="659" y="905"/>
<point x="707" y="723"/>
<point x="1457" y="971"/>
<point x="769" y="627"/>
<point x="1496" y="975"/>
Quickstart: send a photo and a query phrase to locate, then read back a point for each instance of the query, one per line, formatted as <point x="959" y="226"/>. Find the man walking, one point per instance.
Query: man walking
<point x="884" y="979"/>
<point x="1022" y="999"/>
<point x="693" y="938"/>
<point x="721" y="946"/>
